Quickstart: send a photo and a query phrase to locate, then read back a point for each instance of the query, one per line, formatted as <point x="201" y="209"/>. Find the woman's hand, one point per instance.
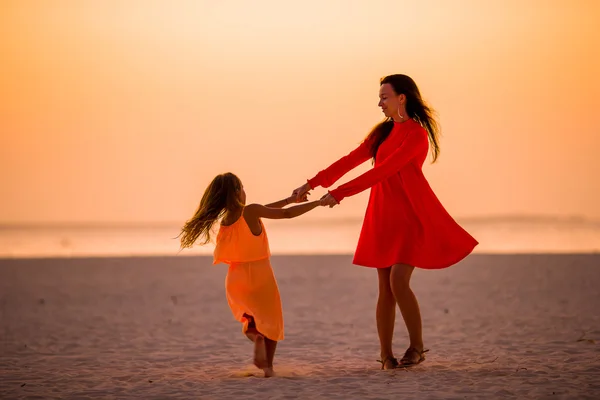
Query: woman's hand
<point x="302" y="192"/>
<point x="297" y="199"/>
<point x="328" y="200"/>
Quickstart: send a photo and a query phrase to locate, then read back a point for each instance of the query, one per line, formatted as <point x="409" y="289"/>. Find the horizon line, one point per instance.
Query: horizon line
<point x="329" y="221"/>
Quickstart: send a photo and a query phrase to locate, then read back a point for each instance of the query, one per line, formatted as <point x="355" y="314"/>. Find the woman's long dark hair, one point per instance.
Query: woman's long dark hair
<point x="415" y="108"/>
<point x="220" y="197"/>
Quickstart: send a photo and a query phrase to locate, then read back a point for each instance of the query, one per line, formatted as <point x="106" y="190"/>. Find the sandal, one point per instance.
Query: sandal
<point x="393" y="360"/>
<point x="412" y="357"/>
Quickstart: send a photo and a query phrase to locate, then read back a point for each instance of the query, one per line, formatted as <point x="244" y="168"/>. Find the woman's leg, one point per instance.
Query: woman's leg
<point x="409" y="306"/>
<point x="386" y="316"/>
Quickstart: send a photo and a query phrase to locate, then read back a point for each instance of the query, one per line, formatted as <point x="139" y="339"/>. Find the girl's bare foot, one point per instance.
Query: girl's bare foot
<point x="260" y="352"/>
<point x="269" y="372"/>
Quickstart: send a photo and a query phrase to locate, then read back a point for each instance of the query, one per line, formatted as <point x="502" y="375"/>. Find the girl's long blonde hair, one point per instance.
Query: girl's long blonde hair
<point x="220" y="197"/>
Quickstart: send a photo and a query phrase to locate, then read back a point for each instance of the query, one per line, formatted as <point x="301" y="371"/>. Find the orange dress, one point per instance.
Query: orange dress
<point x="250" y="284"/>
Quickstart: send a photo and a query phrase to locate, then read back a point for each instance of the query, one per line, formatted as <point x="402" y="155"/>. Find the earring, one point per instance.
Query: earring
<point x="400" y="115"/>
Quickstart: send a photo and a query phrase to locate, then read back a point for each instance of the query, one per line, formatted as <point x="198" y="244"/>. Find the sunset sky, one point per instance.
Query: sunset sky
<point x="123" y="111"/>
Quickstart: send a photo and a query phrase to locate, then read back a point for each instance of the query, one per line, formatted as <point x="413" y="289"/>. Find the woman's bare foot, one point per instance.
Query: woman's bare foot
<point x="260" y="352"/>
<point x="269" y="372"/>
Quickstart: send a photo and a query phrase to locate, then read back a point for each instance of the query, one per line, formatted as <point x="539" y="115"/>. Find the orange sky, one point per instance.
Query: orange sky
<point x="116" y="111"/>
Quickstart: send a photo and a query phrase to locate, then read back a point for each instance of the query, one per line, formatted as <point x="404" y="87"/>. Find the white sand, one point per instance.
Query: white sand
<point x="497" y="326"/>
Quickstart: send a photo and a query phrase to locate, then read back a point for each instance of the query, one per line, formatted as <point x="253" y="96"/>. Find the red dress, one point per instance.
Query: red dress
<point x="405" y="223"/>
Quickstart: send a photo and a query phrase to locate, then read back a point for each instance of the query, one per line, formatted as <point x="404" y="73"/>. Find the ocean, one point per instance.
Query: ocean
<point x="288" y="237"/>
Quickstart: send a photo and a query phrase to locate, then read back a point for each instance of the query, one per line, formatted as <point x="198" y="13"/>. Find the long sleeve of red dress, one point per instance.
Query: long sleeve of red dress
<point x="405" y="223"/>
<point x="414" y="144"/>
<point x="335" y="171"/>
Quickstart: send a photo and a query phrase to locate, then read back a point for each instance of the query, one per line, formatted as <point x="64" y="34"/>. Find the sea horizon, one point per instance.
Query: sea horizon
<point x="513" y="218"/>
<point x="496" y="235"/>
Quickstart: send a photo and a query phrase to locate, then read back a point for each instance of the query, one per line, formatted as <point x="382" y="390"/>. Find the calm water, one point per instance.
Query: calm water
<point x="293" y="237"/>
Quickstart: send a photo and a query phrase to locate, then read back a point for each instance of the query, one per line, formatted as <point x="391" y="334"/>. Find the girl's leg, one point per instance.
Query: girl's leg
<point x="409" y="306"/>
<point x="260" y="350"/>
<point x="251" y="332"/>
<point x="271" y="346"/>
<point x="386" y="316"/>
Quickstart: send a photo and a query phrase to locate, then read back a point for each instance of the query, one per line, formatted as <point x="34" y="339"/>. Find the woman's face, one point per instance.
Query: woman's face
<point x="389" y="101"/>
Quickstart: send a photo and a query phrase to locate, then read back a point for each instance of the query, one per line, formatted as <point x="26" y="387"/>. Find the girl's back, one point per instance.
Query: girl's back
<point x="237" y="244"/>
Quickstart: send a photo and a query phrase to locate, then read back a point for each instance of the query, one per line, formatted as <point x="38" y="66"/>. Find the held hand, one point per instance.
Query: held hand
<point x="328" y="200"/>
<point x="301" y="192"/>
<point x="295" y="199"/>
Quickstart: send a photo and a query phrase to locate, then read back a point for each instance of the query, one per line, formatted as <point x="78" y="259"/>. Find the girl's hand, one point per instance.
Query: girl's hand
<point x="301" y="192"/>
<point x="294" y="199"/>
<point x="328" y="200"/>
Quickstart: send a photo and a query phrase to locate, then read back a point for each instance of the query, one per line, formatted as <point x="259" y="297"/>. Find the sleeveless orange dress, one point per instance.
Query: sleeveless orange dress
<point x="250" y="284"/>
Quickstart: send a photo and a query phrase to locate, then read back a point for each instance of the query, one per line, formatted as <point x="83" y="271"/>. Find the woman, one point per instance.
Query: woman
<point x="405" y="225"/>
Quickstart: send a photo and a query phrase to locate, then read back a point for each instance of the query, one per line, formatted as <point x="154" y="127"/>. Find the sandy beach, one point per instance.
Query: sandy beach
<point x="497" y="326"/>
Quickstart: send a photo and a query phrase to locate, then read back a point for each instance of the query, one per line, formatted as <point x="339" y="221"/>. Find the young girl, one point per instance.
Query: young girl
<point x="242" y="243"/>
